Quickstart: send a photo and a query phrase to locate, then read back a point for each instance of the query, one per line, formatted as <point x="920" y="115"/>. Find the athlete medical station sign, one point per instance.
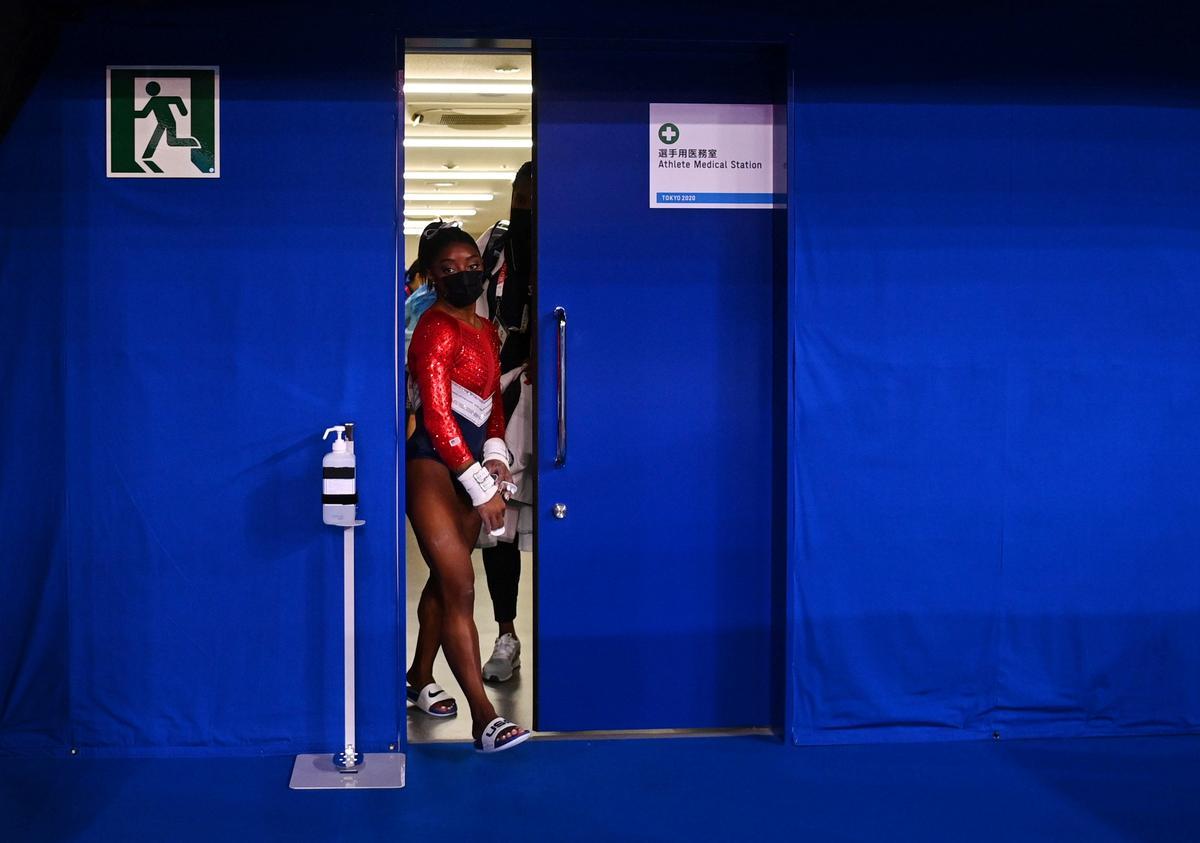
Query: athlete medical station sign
<point x="163" y="122"/>
<point x="717" y="156"/>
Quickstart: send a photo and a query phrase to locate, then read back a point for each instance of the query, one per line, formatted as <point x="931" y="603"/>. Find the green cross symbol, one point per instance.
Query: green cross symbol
<point x="668" y="133"/>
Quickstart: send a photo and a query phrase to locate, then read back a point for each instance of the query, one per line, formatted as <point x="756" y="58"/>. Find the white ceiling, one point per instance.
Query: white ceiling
<point x="465" y="115"/>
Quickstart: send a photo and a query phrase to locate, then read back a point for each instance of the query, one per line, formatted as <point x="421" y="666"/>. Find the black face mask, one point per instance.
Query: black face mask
<point x="462" y="288"/>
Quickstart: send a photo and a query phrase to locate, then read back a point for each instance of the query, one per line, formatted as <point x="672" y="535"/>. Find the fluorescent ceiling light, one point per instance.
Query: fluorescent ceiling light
<point x="460" y="175"/>
<point x="439" y="212"/>
<point x="468" y="143"/>
<point x="449" y="197"/>
<point x="468" y="88"/>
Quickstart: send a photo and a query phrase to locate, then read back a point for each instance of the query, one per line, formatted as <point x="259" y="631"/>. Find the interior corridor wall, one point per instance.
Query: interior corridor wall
<point x="183" y="344"/>
<point x="997" y="329"/>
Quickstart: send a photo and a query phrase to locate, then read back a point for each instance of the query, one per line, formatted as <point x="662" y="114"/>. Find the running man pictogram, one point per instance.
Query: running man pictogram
<point x="160" y="107"/>
<point x="162" y="122"/>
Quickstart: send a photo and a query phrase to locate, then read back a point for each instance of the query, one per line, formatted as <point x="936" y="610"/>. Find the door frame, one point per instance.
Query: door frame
<point x="786" y="558"/>
<point x="402" y="46"/>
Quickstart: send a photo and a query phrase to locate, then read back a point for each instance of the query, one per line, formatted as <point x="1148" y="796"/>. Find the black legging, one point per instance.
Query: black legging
<point x="503" y="566"/>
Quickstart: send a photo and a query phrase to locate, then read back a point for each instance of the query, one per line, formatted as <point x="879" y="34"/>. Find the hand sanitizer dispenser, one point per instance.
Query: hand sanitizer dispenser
<point x="339" y="491"/>
<point x="348" y="767"/>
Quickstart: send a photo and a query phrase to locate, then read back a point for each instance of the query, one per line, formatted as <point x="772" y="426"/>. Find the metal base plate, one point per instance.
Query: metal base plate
<point x="377" y="770"/>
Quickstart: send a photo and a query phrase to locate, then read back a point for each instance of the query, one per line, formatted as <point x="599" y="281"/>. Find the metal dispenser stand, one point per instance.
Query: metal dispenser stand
<point x="348" y="768"/>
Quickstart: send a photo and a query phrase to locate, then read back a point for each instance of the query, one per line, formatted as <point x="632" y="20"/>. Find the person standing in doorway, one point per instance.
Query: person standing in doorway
<point x="458" y="464"/>
<point x="507" y="250"/>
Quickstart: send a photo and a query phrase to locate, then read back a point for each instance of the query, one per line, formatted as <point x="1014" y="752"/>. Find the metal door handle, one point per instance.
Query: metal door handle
<point x="560" y="458"/>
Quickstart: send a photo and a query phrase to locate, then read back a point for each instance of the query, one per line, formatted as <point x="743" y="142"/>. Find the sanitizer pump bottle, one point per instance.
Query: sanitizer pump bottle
<point x="339" y="491"/>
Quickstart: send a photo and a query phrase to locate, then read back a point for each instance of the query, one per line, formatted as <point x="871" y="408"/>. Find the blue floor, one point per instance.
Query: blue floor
<point x="684" y="789"/>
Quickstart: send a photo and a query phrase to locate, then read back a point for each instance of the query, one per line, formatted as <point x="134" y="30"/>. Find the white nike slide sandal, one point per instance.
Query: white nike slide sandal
<point x="491" y="741"/>
<point x="429" y="696"/>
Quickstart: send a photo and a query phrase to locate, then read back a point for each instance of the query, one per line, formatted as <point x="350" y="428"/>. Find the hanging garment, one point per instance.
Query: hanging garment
<point x="518" y="435"/>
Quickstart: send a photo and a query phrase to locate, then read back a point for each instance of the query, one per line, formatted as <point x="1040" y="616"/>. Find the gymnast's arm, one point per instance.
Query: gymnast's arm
<point x="435" y="345"/>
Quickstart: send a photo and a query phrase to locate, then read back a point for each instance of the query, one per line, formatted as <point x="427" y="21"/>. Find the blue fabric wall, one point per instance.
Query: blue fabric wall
<point x="181" y="345"/>
<point x="33" y="500"/>
<point x="994" y="400"/>
<point x="997" y="328"/>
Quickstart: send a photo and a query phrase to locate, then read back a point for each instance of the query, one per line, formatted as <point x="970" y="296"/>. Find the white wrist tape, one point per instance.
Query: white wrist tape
<point x="479" y="483"/>
<point x="496" y="449"/>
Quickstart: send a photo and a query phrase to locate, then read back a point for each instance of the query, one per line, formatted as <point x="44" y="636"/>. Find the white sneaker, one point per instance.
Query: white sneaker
<point x="506" y="657"/>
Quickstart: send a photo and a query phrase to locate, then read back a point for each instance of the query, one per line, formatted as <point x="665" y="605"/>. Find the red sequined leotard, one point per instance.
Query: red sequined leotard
<point x="457" y="372"/>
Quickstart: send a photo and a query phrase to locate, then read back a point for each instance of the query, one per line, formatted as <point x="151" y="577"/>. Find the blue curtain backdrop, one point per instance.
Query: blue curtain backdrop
<point x="33" y="461"/>
<point x="173" y="351"/>
<point x="996" y="344"/>
<point x="994" y="403"/>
